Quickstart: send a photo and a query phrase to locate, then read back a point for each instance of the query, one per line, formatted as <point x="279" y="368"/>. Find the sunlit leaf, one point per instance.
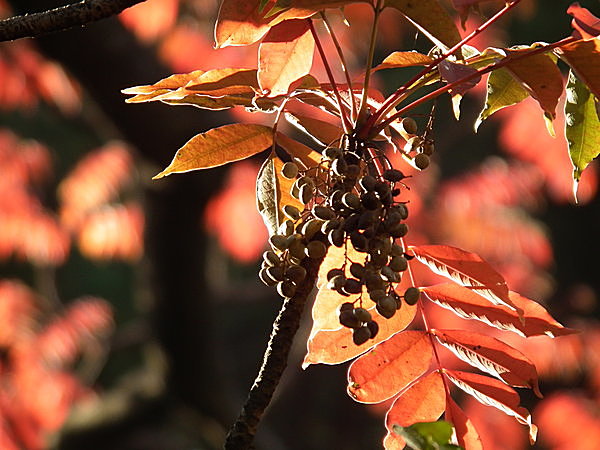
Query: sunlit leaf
<point x="540" y="76"/>
<point x="170" y="83"/>
<point x="391" y="366"/>
<point x="219" y="82"/>
<point x="466" y="433"/>
<point x="220" y="146"/>
<point x="322" y="132"/>
<point x="240" y="23"/>
<point x="582" y="126"/>
<point x="398" y="60"/>
<point x="307" y="157"/>
<point x="430" y="18"/>
<point x="584" y="59"/>
<point x="492" y="392"/>
<point x="266" y="194"/>
<point x="468" y="305"/>
<point x="424" y="401"/>
<point x="492" y="356"/>
<point x="466" y="269"/>
<point x="502" y="90"/>
<point x="427" y="435"/>
<point x="284" y="56"/>
<point x="336" y="346"/>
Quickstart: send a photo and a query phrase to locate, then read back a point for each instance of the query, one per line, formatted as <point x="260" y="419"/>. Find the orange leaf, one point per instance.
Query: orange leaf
<point x="219" y="146"/>
<point x="492" y="356"/>
<point x="424" y="401"/>
<point x="307" y="156"/>
<point x="284" y="56"/>
<point x="403" y="59"/>
<point x="147" y="92"/>
<point x="584" y="58"/>
<point x="220" y="82"/>
<point x="391" y="366"/>
<point x="468" y="305"/>
<point x="492" y="392"/>
<point x="323" y="133"/>
<point x="540" y="76"/>
<point x="466" y="433"/>
<point x="335" y="347"/>
<point x="466" y="269"/>
<point x="240" y="23"/>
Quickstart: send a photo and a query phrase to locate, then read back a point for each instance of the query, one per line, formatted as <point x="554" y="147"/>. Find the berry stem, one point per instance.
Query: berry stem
<point x="340" y="53"/>
<point x="345" y="122"/>
<point x="362" y="112"/>
<point x="285" y="326"/>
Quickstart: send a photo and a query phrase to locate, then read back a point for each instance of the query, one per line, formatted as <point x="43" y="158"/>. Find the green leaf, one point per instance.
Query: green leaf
<point x="584" y="58"/>
<point x="502" y="90"/>
<point x="220" y="146"/>
<point x="266" y="194"/>
<point x="582" y="127"/>
<point x="430" y="17"/>
<point x="427" y="435"/>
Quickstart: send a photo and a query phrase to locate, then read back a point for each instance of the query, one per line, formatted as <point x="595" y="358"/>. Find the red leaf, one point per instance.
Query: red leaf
<point x="585" y="24"/>
<point x="466" y="269"/>
<point x="390" y="367"/>
<point x="335" y="347"/>
<point x="424" y="401"/>
<point x="468" y="305"/>
<point x="492" y="392"/>
<point x="492" y="356"/>
<point x="466" y="433"/>
<point x="284" y="56"/>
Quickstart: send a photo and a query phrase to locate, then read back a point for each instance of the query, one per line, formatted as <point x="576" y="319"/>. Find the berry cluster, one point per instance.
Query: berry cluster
<point x="348" y="199"/>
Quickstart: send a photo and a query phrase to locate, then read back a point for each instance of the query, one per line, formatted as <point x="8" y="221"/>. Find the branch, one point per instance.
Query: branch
<point x="57" y="19"/>
<point x="286" y="324"/>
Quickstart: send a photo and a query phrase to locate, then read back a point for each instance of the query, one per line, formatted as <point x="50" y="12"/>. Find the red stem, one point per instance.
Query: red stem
<point x="389" y="103"/>
<point x="345" y="122"/>
<point x="448" y="87"/>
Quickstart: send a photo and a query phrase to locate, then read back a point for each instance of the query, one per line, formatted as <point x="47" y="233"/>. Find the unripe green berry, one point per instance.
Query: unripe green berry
<point x="412" y="295"/>
<point x="291" y="211"/>
<point x="422" y="161"/>
<point x="361" y="335"/>
<point x="316" y="249"/>
<point x="271" y="258"/>
<point x="362" y="314"/>
<point x="278" y="242"/>
<point x="398" y="264"/>
<point x="295" y="273"/>
<point x="348" y="319"/>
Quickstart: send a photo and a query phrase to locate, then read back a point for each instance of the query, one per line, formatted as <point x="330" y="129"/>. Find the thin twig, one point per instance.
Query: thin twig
<point x="57" y="19"/>
<point x="286" y="325"/>
<point x="345" y="122"/>
<point x="340" y="52"/>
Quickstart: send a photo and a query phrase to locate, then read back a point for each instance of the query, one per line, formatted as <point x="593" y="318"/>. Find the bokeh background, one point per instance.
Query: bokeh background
<point x="131" y="315"/>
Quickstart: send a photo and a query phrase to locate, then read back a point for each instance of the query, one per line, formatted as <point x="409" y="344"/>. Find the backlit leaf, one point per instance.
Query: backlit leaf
<point x="170" y="83"/>
<point x="220" y="146"/>
<point x="391" y="366"/>
<point x="582" y="126"/>
<point x="284" y="56"/>
<point x="540" y="76"/>
<point x="492" y="356"/>
<point x="240" y="23"/>
<point x="466" y="434"/>
<point x="266" y="189"/>
<point x="336" y="346"/>
<point x="492" y="392"/>
<point x="322" y="132"/>
<point x="502" y="90"/>
<point x="299" y="152"/>
<point x="468" y="305"/>
<point x="427" y="435"/>
<point x="219" y="82"/>
<point x="584" y="59"/>
<point x="424" y="401"/>
<point x="398" y="60"/>
<point x="466" y="269"/>
<point x="430" y="18"/>
<point x="586" y="25"/>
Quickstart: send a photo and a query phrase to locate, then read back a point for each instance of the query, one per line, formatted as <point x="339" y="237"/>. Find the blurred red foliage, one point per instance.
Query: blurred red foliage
<point x="151" y="19"/>
<point x="231" y="215"/>
<point x="37" y="385"/>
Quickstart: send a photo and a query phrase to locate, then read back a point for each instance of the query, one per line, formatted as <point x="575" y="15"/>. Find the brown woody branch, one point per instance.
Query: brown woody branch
<point x="57" y="19"/>
<point x="286" y="325"/>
